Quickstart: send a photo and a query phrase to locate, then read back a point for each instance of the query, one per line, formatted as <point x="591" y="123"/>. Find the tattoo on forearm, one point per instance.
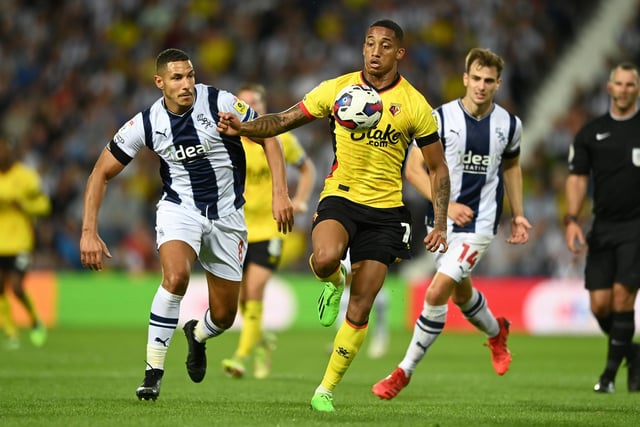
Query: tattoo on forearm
<point x="264" y="126"/>
<point x="442" y="200"/>
<point x="275" y="124"/>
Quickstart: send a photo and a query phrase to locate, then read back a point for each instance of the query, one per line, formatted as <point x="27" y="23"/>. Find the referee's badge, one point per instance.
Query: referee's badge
<point x="635" y="157"/>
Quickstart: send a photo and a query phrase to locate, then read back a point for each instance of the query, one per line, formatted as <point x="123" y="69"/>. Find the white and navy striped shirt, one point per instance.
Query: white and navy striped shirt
<point x="200" y="169"/>
<point x="474" y="150"/>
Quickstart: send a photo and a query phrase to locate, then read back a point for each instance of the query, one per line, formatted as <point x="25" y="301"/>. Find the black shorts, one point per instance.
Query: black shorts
<point x="19" y="263"/>
<point x="266" y="253"/>
<point x="613" y="255"/>
<point x="379" y="234"/>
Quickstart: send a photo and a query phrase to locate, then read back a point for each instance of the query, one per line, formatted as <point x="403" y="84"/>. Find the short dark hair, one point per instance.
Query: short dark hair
<point x="626" y="66"/>
<point x="170" y="55"/>
<point x="388" y="23"/>
<point x="485" y="58"/>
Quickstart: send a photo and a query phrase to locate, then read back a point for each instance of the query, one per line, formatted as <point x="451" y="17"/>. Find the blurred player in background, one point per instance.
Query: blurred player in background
<point x="21" y="201"/>
<point x="361" y="208"/>
<point x="607" y="149"/>
<point x="200" y="213"/>
<point x="265" y="242"/>
<point x="482" y="145"/>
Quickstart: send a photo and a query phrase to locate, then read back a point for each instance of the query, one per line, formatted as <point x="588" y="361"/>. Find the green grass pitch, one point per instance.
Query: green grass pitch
<point x="87" y="377"/>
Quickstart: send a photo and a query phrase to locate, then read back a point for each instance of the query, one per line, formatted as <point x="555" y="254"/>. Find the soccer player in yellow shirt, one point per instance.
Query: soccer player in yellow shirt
<point x="21" y="200"/>
<point x="361" y="208"/>
<point x="265" y="241"/>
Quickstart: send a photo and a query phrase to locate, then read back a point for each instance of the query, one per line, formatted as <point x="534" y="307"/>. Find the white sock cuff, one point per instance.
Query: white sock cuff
<point x="434" y="311"/>
<point x="210" y="328"/>
<point x="168" y="296"/>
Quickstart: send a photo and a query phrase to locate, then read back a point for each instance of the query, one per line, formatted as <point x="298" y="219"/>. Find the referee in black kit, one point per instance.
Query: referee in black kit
<point x="607" y="149"/>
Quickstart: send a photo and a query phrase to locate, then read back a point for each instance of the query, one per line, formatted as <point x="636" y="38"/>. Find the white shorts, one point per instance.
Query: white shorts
<point x="221" y="244"/>
<point x="464" y="253"/>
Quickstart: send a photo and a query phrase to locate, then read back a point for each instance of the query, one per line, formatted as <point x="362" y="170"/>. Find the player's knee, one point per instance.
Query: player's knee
<point x="623" y="298"/>
<point x="223" y="318"/>
<point x="324" y="263"/>
<point x="600" y="310"/>
<point x="176" y="282"/>
<point x="358" y="311"/>
<point x="461" y="296"/>
<point x="441" y="289"/>
<point x="460" y="299"/>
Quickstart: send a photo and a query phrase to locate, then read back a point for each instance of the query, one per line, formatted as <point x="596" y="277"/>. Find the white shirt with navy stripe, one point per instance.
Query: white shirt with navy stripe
<point x="201" y="169"/>
<point x="474" y="149"/>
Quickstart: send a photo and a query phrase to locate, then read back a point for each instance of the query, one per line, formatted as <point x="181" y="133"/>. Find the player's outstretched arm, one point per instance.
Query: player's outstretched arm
<point x="92" y="247"/>
<point x="264" y="126"/>
<point x="228" y="124"/>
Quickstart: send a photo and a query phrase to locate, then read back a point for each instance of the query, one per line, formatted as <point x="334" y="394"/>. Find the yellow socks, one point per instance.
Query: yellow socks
<point x="251" y="332"/>
<point x="6" y="318"/>
<point x="346" y="345"/>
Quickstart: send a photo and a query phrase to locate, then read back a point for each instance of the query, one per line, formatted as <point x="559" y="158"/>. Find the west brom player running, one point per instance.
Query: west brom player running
<point x="482" y="145"/>
<point x="361" y="208"/>
<point x="200" y="214"/>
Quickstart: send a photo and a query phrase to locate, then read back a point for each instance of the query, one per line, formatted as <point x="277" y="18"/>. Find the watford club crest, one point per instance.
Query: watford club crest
<point x="394" y="109"/>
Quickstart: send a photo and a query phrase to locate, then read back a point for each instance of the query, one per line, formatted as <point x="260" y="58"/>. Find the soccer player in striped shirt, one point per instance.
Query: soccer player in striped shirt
<point x="200" y="213"/>
<point x="482" y="145"/>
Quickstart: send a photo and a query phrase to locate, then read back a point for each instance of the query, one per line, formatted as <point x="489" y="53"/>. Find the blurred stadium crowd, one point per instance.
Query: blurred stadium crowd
<point x="74" y="70"/>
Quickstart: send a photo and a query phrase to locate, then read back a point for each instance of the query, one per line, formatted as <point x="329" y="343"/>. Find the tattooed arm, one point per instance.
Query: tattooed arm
<point x="265" y="125"/>
<point x="415" y="173"/>
<point x="440" y="189"/>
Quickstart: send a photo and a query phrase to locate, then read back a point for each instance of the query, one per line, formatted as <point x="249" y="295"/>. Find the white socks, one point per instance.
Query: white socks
<point x="163" y="320"/>
<point x="427" y="328"/>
